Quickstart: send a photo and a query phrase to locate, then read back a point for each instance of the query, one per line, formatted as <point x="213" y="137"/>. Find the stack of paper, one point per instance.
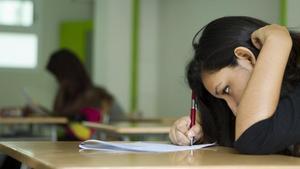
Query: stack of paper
<point x="136" y="146"/>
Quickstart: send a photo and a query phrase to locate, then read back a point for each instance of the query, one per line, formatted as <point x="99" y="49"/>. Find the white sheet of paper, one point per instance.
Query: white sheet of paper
<point x="137" y="146"/>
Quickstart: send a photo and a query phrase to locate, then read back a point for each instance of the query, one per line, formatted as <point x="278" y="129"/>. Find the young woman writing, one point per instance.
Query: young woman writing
<point x="247" y="81"/>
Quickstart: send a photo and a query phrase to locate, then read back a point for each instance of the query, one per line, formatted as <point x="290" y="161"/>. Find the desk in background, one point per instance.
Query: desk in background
<point x="66" y="155"/>
<point x="51" y="121"/>
<point x="127" y="129"/>
<point x="161" y="120"/>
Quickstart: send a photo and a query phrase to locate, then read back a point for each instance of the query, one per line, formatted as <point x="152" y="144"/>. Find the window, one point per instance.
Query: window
<point x="16" y="12"/>
<point x="18" y="38"/>
<point x="18" y="50"/>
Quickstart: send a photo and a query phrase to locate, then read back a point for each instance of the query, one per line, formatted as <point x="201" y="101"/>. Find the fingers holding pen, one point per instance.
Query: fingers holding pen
<point x="195" y="132"/>
<point x="178" y="132"/>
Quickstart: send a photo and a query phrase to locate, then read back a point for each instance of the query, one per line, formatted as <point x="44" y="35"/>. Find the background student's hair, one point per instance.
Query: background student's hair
<point x="75" y="87"/>
<point x="66" y="66"/>
<point x="214" y="50"/>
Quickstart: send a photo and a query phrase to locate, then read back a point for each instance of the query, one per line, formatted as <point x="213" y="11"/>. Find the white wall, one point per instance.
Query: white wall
<point x="148" y="58"/>
<point x="293" y="14"/>
<point x="40" y="85"/>
<point x="112" y="50"/>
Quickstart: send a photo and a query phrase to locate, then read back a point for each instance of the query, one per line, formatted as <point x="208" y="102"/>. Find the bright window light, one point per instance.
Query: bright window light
<point x="16" y="12"/>
<point x="18" y="50"/>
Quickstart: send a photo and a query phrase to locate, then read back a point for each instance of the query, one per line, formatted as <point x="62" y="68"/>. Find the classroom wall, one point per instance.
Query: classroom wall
<point x="40" y="85"/>
<point x="293" y="13"/>
<point x="111" y="56"/>
<point x="149" y="58"/>
<point x="112" y="52"/>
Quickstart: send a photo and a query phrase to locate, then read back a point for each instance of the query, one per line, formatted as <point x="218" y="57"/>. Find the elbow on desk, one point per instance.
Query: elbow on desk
<point x="257" y="139"/>
<point x="257" y="145"/>
<point x="254" y="149"/>
<point x="260" y="138"/>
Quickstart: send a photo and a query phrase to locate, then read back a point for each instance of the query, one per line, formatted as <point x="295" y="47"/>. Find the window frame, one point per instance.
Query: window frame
<point x="32" y="29"/>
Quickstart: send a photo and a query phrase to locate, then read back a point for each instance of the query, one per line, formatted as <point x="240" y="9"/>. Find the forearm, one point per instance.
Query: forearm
<point x="261" y="96"/>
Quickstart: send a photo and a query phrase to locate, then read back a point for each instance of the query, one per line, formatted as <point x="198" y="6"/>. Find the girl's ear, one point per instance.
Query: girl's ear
<point x="244" y="54"/>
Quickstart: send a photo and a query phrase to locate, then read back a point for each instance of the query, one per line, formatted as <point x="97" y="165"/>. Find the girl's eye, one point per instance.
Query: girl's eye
<point x="226" y="90"/>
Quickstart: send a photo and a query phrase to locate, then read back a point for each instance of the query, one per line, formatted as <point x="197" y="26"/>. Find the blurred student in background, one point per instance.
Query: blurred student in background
<point x="77" y="98"/>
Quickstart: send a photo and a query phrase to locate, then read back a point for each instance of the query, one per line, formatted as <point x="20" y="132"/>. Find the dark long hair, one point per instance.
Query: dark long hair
<point x="69" y="72"/>
<point x="213" y="51"/>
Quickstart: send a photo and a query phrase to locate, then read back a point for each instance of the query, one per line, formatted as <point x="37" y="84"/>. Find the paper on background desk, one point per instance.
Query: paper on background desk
<point x="136" y="146"/>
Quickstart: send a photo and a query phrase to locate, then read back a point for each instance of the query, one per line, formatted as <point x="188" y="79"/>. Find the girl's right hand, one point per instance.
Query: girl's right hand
<point x="181" y="133"/>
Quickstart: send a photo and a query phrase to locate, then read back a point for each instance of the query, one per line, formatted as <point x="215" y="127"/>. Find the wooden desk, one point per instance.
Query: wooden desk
<point x="162" y="120"/>
<point x="52" y="121"/>
<point x="66" y="155"/>
<point x="127" y="129"/>
<point x="33" y="120"/>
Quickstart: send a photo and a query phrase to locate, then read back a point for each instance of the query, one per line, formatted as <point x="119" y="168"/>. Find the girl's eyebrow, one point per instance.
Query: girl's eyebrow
<point x="216" y="89"/>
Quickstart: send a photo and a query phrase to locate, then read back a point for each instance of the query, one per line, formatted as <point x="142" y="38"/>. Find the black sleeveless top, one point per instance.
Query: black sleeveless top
<point x="276" y="133"/>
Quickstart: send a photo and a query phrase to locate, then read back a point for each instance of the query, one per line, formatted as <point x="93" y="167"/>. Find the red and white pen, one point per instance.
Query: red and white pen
<point x="193" y="113"/>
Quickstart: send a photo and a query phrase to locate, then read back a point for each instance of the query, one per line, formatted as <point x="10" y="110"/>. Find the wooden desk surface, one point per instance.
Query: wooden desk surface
<point x="66" y="155"/>
<point x="126" y="128"/>
<point x="33" y="120"/>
